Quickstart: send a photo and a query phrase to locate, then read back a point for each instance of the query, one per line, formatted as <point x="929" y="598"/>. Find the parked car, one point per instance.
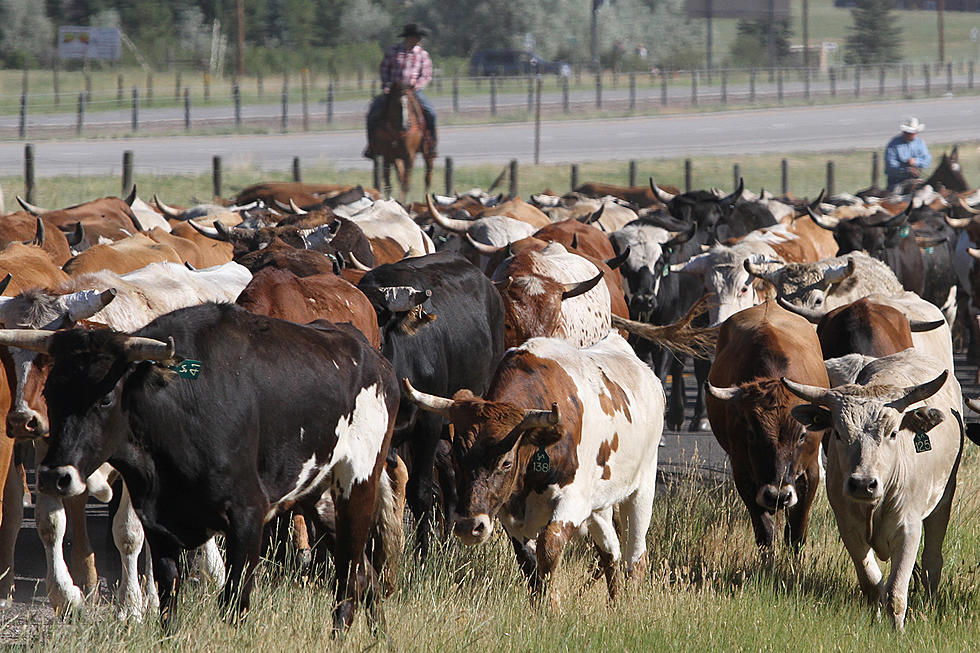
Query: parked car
<point x="512" y="62"/>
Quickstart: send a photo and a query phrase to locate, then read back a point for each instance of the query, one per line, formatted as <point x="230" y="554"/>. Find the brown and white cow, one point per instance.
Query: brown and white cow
<point x="122" y="256"/>
<point x="775" y="462"/>
<point x="546" y="472"/>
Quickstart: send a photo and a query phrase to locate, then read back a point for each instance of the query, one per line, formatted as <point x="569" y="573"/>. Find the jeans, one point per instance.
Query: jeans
<point x="376" y="109"/>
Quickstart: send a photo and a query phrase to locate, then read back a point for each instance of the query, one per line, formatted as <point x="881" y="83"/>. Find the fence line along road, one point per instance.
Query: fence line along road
<point x="304" y="106"/>
<point x="797" y="129"/>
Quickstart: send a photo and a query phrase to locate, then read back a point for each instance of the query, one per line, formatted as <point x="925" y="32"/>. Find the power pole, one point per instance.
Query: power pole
<point x="240" y="58"/>
<point x="806" y="33"/>
<point x="594" y="34"/>
<point x="940" y="10"/>
<point x="771" y="40"/>
<point x="709" y="43"/>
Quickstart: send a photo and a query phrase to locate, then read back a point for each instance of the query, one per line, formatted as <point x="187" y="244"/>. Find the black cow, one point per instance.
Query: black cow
<point x="278" y="415"/>
<point x="719" y="218"/>
<point x="442" y="326"/>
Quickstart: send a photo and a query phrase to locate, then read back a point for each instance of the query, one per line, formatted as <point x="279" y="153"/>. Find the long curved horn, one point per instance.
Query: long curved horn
<point x="30" y="208"/>
<point x="450" y="224"/>
<point x="580" y="287"/>
<point x="77" y="235"/>
<point x="732" y="393"/>
<point x="735" y="195"/>
<point x="966" y="207"/>
<point x="815" y="204"/>
<point x="190" y="266"/>
<point x="38" y="234"/>
<point x="836" y="275"/>
<point x="930" y="241"/>
<point x="357" y="265"/>
<point x="5" y="283"/>
<point x="958" y="223"/>
<point x="975" y="253"/>
<point x="210" y="232"/>
<point x="812" y="393"/>
<point x="534" y="419"/>
<point x="662" y="196"/>
<point x="37" y="340"/>
<point x="919" y="392"/>
<point x="168" y="211"/>
<point x="974" y="405"/>
<point x="681" y="237"/>
<point x="143" y="349"/>
<point x="594" y="216"/>
<point x="619" y="259"/>
<point x="483" y="248"/>
<point x="84" y="304"/>
<point x="132" y="196"/>
<point x="896" y="220"/>
<point x="425" y="401"/>
<point x="918" y="326"/>
<point x="763" y="270"/>
<point x="295" y="209"/>
<point x="813" y="316"/>
<point x="574" y="243"/>
<point x="823" y="221"/>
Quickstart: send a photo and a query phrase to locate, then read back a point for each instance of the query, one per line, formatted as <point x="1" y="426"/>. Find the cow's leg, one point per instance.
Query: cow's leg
<point x="11" y="516"/>
<point x="243" y="546"/>
<point x="150" y="586"/>
<point x="550" y="544"/>
<point x="935" y="532"/>
<point x="166" y="572"/>
<point x="354" y="514"/>
<point x="675" y="409"/>
<point x="637" y="510"/>
<point x="405" y="176"/>
<point x="447" y="485"/>
<point x="207" y="563"/>
<point x="301" y="540"/>
<point x="698" y="421"/>
<point x="603" y="532"/>
<point x="423" y="450"/>
<point x="127" y="533"/>
<point x="762" y="522"/>
<point x="798" y="516"/>
<point x="868" y="572"/>
<point x="49" y="515"/>
<point x="527" y="563"/>
<point x="82" y="556"/>
<point x="906" y="546"/>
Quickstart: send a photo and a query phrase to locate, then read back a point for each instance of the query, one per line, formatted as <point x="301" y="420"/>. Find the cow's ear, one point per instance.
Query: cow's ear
<point x="812" y="417"/>
<point x="542" y="437"/>
<point x="921" y="420"/>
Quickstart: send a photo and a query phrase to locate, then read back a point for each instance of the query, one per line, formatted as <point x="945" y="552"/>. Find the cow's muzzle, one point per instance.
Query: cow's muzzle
<point x="63" y="481"/>
<point x="863" y="488"/>
<point x="772" y="498"/>
<point x="26" y="424"/>
<point x="473" y="530"/>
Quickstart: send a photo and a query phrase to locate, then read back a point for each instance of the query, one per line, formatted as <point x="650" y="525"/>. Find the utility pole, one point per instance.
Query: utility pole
<point x="806" y="33"/>
<point x="771" y="40"/>
<point x="940" y="11"/>
<point x="240" y="55"/>
<point x="594" y="33"/>
<point x="709" y="44"/>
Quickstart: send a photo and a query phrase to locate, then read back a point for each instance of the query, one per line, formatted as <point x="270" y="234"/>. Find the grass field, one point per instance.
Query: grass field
<point x="807" y="175"/>
<point x="707" y="589"/>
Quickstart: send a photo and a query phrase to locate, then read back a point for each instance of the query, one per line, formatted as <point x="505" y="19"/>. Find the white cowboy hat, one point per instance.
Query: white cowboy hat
<point x="912" y="125"/>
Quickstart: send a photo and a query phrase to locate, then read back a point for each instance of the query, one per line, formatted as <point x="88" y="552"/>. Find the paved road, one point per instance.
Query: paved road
<point x="801" y="129"/>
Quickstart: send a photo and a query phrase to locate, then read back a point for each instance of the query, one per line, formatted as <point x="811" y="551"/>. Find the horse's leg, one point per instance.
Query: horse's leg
<point x="428" y="173"/>
<point x="406" y="177"/>
<point x="387" y="174"/>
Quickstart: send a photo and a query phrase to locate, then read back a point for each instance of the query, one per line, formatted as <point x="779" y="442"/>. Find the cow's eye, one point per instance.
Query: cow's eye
<point x="818" y="301"/>
<point x="743" y="290"/>
<point x="803" y="436"/>
<point x="837" y="435"/>
<point x="893" y="435"/>
<point x="106" y="401"/>
<point x="506" y="465"/>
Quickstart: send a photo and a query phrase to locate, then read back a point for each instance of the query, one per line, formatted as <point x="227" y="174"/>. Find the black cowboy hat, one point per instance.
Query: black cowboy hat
<point x="413" y="29"/>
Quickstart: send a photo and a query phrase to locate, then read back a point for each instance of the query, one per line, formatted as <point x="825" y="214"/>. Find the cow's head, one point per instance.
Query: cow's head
<point x="779" y="448"/>
<point x="35" y="309"/>
<point x="85" y="399"/>
<point x="648" y="262"/>
<point x="870" y="426"/>
<point x="726" y="278"/>
<point x="486" y="439"/>
<point x="803" y="284"/>
<point x="532" y="304"/>
<point x="704" y="208"/>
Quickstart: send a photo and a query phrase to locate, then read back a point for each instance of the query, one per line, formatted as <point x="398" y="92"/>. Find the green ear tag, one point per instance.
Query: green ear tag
<point x="905" y="231"/>
<point x="922" y="442"/>
<point x="930" y="250"/>
<point x="666" y="270"/>
<point x="187" y="369"/>
<point x="541" y="462"/>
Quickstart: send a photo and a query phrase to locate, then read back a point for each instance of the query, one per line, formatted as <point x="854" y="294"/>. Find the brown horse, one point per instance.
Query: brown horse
<point x="400" y="135"/>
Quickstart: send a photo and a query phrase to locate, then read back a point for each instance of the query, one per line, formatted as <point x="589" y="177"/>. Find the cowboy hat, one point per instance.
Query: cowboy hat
<point x="413" y="29"/>
<point x="912" y="125"/>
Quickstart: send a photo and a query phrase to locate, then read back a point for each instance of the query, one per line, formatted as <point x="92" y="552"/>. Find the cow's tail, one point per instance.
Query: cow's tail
<point x="389" y="531"/>
<point x="680" y="337"/>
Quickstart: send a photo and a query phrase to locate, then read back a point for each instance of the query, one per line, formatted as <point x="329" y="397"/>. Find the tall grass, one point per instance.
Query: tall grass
<point x="706" y="588"/>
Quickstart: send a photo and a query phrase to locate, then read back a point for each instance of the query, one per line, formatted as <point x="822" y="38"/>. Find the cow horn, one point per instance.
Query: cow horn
<point x="144" y="349"/>
<point x="930" y="241"/>
<point x="662" y="196"/>
<point x="425" y="401"/>
<point x="975" y="253"/>
<point x="37" y="340"/>
<point x="84" y="304"/>
<point x="132" y="196"/>
<point x="919" y="392"/>
<point x="813" y="316"/>
<point x="210" y="232"/>
<point x="812" y="393"/>
<point x="574" y="243"/>
<point x="836" y="274"/>
<point x="534" y="419"/>
<point x="357" y="265"/>
<point x="898" y="219"/>
<point x="581" y="287"/>
<point x="77" y="235"/>
<point x="619" y="259"/>
<point x="38" y="234"/>
<point x="295" y="209"/>
<point x="966" y="207"/>
<point x="918" y="326"/>
<point x="594" y="216"/>
<point x="958" y="223"/>
<point x="735" y="195"/>
<point x="681" y="237"/>
<point x="483" y="248"/>
<point x="974" y="405"/>
<point x="823" y="221"/>
<point x="503" y="285"/>
<point x="731" y="393"/>
<point x="5" y="283"/>
<point x="168" y="211"/>
<point x="450" y="224"/>
<point x="763" y="270"/>
<point x="30" y="208"/>
<point x="187" y="264"/>
<point x="815" y="204"/>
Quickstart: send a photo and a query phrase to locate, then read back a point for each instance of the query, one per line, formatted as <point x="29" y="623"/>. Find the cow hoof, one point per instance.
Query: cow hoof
<point x="702" y="425"/>
<point x="72" y="599"/>
<point x="672" y="426"/>
<point x="303" y="558"/>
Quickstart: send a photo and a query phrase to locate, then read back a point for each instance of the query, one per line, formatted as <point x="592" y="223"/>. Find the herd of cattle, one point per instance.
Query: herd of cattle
<point x="303" y="360"/>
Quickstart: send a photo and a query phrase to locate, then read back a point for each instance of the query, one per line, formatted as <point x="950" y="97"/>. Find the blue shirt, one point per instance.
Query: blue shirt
<point x="897" y="155"/>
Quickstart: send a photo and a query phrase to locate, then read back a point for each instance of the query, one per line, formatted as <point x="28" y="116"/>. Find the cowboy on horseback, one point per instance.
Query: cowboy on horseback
<point x="408" y="64"/>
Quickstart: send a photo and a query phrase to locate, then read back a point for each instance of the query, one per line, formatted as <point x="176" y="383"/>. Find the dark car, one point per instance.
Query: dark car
<point x="512" y="62"/>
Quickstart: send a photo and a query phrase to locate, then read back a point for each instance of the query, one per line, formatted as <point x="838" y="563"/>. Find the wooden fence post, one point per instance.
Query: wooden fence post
<point x="752" y="85"/>
<point x="23" y="115"/>
<point x="119" y="90"/>
<point x="29" y="172"/>
<point x="284" y="120"/>
<point x="450" y="176"/>
<point x="598" y="90"/>
<point x="187" y="109"/>
<point x="297" y="171"/>
<point x="455" y="94"/>
<point x="784" y="173"/>
<point x="216" y="175"/>
<point x="136" y="109"/>
<point x="632" y="173"/>
<point x="694" y="87"/>
<point x="236" y="95"/>
<point x="81" y="114"/>
<point x="493" y="95"/>
<point x="564" y="94"/>
<point x="574" y="175"/>
<point x="330" y="102"/>
<point x="874" y="169"/>
<point x="632" y="91"/>
<point x="736" y="174"/>
<point x="688" y="173"/>
<point x="127" y="172"/>
<point x="724" y="86"/>
<point x="513" y="178"/>
<point x="149" y="89"/>
<point x="830" y="178"/>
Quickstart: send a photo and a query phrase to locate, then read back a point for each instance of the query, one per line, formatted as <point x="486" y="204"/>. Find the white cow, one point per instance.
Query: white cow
<point x="891" y="467"/>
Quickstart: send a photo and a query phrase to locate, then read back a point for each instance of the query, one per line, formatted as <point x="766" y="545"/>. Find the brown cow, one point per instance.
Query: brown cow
<point x="641" y="196"/>
<point x="30" y="266"/>
<point x="775" y="461"/>
<point x="212" y="252"/>
<point x="130" y="253"/>
<point x="278" y="193"/>
<point x="106" y="217"/>
<point x="28" y="229"/>
<point x="864" y="327"/>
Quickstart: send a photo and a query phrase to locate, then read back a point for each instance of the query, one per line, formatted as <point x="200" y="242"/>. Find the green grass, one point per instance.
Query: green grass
<point x="807" y="175"/>
<point x="706" y="589"/>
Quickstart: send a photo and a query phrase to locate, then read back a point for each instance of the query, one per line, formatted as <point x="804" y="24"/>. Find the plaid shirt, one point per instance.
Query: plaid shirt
<point x="406" y="66"/>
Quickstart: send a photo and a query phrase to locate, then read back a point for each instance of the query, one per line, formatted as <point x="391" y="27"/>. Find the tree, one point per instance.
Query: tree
<point x="751" y="45"/>
<point x="875" y="35"/>
<point x="20" y="17"/>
